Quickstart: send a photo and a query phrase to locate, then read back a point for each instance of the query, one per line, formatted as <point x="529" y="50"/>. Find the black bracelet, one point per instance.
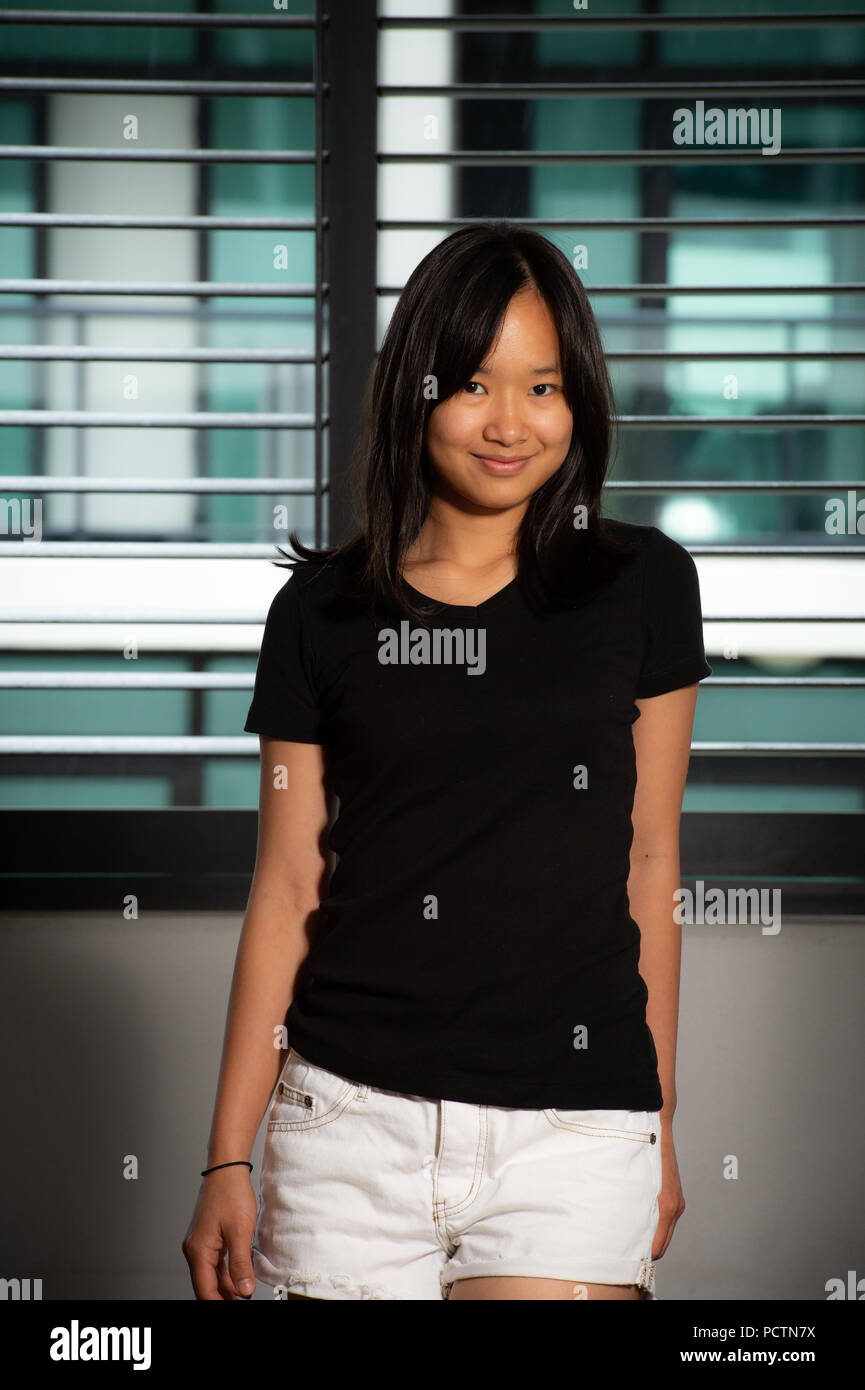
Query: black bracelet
<point x="238" y="1162"/>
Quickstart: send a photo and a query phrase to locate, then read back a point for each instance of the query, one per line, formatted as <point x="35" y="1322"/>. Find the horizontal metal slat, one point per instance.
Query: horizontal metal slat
<point x="155" y="19"/>
<point x="556" y="24"/>
<point x="180" y="419"/>
<point x="211" y="745"/>
<point x="672" y="291"/>
<point x="693" y="154"/>
<point x="147" y="745"/>
<point x="226" y="680"/>
<point x="715" y="485"/>
<point x="93" y="615"/>
<point x="702" y="86"/>
<point x="449" y="23"/>
<point x="641" y="224"/>
<point x="159" y="86"/>
<point x="130" y="220"/>
<point x="688" y="422"/>
<point x="40" y="353"/>
<point x="126" y="680"/>
<point x="51" y="482"/>
<point x="43" y="482"/>
<point x="823" y="551"/>
<point x="733" y="355"/>
<point x="571" y="24"/>
<point x="172" y="155"/>
<point x="267" y="311"/>
<point x="200" y="310"/>
<point x="225" y="420"/>
<point x="807" y="619"/>
<point x="217" y="550"/>
<point x="145" y="550"/>
<point x="209" y="289"/>
<point x="735" y="748"/>
<point x="787" y="682"/>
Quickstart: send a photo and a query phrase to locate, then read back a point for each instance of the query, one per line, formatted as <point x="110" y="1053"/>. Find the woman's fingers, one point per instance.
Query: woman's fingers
<point x="240" y="1272"/>
<point x="204" y="1257"/>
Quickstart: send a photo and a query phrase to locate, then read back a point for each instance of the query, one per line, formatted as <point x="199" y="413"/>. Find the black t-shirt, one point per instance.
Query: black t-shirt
<point x="475" y="941"/>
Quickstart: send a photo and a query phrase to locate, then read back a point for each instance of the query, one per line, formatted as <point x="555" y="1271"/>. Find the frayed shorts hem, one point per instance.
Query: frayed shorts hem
<point x="640" y="1272"/>
<point x="318" y="1284"/>
<point x="346" y="1288"/>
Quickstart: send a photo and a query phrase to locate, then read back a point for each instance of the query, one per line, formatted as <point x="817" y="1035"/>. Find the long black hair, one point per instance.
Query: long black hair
<point x="446" y="319"/>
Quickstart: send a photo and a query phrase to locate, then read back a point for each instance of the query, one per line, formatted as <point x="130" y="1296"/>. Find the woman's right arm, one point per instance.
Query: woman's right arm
<point x="287" y="886"/>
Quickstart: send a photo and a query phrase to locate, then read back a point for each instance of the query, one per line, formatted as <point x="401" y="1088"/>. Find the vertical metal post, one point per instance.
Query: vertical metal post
<point x="319" y="64"/>
<point x="43" y="307"/>
<point x="203" y="508"/>
<point x="350" y="205"/>
<point x="655" y="183"/>
<point x="189" y="784"/>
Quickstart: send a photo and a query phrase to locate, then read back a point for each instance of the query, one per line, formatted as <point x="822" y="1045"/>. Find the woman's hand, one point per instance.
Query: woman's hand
<point x="671" y="1202"/>
<point x="223" y="1223"/>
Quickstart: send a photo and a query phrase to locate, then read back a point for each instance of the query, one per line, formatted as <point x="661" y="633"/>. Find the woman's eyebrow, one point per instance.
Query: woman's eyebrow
<point x="555" y="370"/>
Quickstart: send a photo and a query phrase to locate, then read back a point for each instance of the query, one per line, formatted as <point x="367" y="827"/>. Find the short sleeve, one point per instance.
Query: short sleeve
<point x="672" y="619"/>
<point x="284" y="702"/>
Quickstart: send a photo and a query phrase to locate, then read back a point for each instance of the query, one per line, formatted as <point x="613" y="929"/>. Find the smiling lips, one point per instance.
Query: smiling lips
<point x="494" y="464"/>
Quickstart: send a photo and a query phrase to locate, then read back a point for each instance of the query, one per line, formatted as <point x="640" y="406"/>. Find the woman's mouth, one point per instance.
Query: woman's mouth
<point x="501" y="464"/>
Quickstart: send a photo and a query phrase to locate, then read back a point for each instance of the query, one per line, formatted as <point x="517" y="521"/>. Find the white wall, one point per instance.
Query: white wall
<point x="111" y="1037"/>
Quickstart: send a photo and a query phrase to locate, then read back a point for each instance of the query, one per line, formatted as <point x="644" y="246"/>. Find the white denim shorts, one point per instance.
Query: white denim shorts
<point x="367" y="1193"/>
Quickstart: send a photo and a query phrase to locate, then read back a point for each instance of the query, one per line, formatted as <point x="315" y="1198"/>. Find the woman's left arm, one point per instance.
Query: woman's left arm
<point x="662" y="743"/>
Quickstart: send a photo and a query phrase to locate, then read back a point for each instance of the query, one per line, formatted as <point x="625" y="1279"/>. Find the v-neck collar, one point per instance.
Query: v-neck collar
<point x="465" y="607"/>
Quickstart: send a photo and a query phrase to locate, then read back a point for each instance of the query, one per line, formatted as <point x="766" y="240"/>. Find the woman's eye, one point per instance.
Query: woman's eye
<point x="546" y="386"/>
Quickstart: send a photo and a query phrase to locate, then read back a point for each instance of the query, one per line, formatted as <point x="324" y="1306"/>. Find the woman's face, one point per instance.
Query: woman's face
<point x="513" y="409"/>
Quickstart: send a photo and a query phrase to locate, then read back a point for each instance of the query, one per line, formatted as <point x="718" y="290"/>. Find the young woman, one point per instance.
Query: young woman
<point x="479" y="1003"/>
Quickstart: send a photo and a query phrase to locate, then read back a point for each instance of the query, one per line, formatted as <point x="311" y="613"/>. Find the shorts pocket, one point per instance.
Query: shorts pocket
<point x="307" y="1096"/>
<point x="639" y="1126"/>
